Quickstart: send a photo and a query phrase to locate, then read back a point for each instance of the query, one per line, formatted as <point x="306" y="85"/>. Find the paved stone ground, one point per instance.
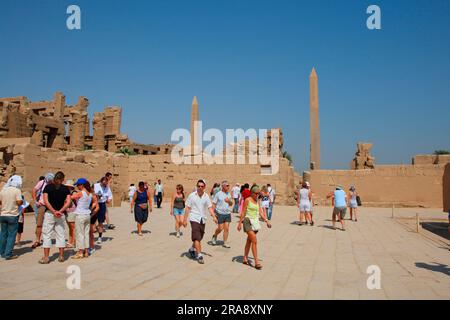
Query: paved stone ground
<point x="300" y="262"/>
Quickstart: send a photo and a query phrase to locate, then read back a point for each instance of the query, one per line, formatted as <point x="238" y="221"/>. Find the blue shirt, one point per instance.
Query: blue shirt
<point x="339" y="199"/>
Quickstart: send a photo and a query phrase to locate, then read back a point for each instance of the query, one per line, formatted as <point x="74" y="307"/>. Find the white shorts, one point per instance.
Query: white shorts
<point x="305" y="207"/>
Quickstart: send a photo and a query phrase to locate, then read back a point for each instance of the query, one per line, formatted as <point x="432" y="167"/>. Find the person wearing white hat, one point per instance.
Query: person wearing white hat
<point x="38" y="198"/>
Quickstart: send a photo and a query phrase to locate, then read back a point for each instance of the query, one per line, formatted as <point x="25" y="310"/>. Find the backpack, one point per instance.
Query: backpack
<point x="358" y="201"/>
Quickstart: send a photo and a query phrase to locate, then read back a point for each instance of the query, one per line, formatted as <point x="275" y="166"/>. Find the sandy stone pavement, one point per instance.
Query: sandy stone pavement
<point x="299" y="262"/>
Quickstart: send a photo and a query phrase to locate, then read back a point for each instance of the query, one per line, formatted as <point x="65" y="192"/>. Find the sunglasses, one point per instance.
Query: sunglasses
<point x="202" y="186"/>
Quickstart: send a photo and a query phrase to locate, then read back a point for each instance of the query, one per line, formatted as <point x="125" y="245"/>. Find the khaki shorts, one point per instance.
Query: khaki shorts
<point x="247" y="224"/>
<point x="340" y="211"/>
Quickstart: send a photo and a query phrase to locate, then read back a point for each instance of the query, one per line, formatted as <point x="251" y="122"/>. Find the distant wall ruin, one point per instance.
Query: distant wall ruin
<point x="446" y="188"/>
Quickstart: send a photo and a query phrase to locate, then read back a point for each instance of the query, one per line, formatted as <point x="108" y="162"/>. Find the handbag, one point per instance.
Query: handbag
<point x="358" y="201"/>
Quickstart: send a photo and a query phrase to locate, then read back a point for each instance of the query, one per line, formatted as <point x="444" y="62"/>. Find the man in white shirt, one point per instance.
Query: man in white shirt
<point x="159" y="192"/>
<point x="104" y="195"/>
<point x="197" y="204"/>
<point x="236" y="192"/>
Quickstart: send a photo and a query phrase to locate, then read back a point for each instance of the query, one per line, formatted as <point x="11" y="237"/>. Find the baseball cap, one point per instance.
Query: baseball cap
<point x="80" y="181"/>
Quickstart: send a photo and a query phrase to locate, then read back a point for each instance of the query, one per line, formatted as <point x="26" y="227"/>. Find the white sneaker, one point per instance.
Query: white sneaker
<point x="99" y="241"/>
<point x="226" y="245"/>
<point x="178" y="234"/>
<point x="214" y="240"/>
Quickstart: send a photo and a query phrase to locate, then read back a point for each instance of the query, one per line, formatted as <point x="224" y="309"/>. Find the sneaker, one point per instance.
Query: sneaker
<point x="192" y="253"/>
<point x="226" y="245"/>
<point x="178" y="235"/>
<point x="91" y="251"/>
<point x="99" y="241"/>
<point x="214" y="240"/>
<point x="201" y="260"/>
<point x="13" y="257"/>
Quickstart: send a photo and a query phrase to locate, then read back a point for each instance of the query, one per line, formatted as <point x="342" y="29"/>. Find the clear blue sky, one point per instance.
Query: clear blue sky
<point x="248" y="61"/>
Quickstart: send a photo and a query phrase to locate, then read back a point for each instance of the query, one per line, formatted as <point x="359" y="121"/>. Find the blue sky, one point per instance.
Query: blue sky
<point x="248" y="62"/>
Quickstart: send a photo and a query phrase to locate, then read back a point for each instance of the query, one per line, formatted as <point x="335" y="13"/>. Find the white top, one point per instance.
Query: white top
<point x="236" y="190"/>
<point x="159" y="188"/>
<point x="132" y="190"/>
<point x="9" y="197"/>
<point x="304" y="195"/>
<point x="84" y="204"/>
<point x="198" y="206"/>
<point x="104" y="193"/>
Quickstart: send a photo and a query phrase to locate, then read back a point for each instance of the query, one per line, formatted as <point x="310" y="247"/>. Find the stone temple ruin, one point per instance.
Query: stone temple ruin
<point x="363" y="159"/>
<point x="53" y="124"/>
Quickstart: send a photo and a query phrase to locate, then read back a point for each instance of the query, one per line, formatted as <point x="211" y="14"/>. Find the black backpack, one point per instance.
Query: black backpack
<point x="358" y="201"/>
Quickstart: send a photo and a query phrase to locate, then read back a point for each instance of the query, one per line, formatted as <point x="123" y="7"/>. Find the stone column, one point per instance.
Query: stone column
<point x="195" y="128"/>
<point x="98" y="141"/>
<point x="314" y="121"/>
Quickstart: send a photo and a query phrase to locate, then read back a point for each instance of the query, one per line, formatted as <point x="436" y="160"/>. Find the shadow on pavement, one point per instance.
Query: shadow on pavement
<point x="436" y="267"/>
<point x="438" y="228"/>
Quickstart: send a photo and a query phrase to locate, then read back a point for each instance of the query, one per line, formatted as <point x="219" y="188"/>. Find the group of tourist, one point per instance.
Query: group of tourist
<point x="83" y="207"/>
<point x="340" y="199"/>
<point x="80" y="205"/>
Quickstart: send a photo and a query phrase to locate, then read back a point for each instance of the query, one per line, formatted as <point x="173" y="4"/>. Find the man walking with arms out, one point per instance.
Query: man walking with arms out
<point x="159" y="192"/>
<point x="222" y="204"/>
<point x="197" y="204"/>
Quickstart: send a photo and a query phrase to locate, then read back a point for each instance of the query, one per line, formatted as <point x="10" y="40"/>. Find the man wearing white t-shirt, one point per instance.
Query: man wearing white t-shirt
<point x="236" y="192"/>
<point x="197" y="205"/>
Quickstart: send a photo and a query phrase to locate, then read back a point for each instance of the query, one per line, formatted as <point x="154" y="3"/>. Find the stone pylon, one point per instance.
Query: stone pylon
<point x="314" y="121"/>
<point x="195" y="128"/>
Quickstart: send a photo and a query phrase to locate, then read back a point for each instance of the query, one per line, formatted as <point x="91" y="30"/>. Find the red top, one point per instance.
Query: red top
<point x="246" y="193"/>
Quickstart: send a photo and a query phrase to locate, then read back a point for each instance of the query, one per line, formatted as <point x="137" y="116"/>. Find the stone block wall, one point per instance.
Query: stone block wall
<point x="404" y="185"/>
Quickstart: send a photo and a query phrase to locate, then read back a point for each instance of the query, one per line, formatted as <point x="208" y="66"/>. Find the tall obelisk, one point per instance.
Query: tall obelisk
<point x="314" y="121"/>
<point x="194" y="127"/>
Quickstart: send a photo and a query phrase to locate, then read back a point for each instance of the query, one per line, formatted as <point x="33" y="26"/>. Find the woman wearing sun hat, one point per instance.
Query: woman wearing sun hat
<point x="85" y="201"/>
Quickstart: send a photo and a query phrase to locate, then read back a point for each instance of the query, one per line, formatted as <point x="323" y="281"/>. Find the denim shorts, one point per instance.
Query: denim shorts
<point x="178" y="212"/>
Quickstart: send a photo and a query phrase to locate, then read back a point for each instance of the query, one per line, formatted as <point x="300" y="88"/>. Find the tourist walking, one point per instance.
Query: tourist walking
<point x="265" y="200"/>
<point x="105" y="197"/>
<point x="214" y="189"/>
<point x="222" y="205"/>
<point x="38" y="198"/>
<point x="197" y="204"/>
<point x="57" y="200"/>
<point x="177" y="208"/>
<point x="108" y="225"/>
<point x="35" y="194"/>
<point x="245" y="193"/>
<point x="272" y="196"/>
<point x="159" y="191"/>
<point x="311" y="204"/>
<point x="304" y="198"/>
<point x="87" y="203"/>
<point x="353" y="203"/>
<point x="22" y="209"/>
<point x="339" y="199"/>
<point x="70" y="215"/>
<point x="131" y="190"/>
<point x="10" y="200"/>
<point x="142" y="204"/>
<point x="249" y="219"/>
<point x="236" y="192"/>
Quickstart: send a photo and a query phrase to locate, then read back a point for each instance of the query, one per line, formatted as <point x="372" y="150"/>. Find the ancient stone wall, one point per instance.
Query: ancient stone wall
<point x="404" y="185"/>
<point x="31" y="161"/>
<point x="150" y="168"/>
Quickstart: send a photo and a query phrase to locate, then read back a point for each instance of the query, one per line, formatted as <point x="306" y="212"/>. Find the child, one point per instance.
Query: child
<point x="22" y="210"/>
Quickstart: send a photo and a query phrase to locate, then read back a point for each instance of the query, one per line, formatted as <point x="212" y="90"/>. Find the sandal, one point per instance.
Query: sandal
<point x="44" y="261"/>
<point x="78" y="256"/>
<point x="60" y="259"/>
<point x="69" y="245"/>
<point x="258" y="266"/>
<point x="247" y="263"/>
<point x="35" y="245"/>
